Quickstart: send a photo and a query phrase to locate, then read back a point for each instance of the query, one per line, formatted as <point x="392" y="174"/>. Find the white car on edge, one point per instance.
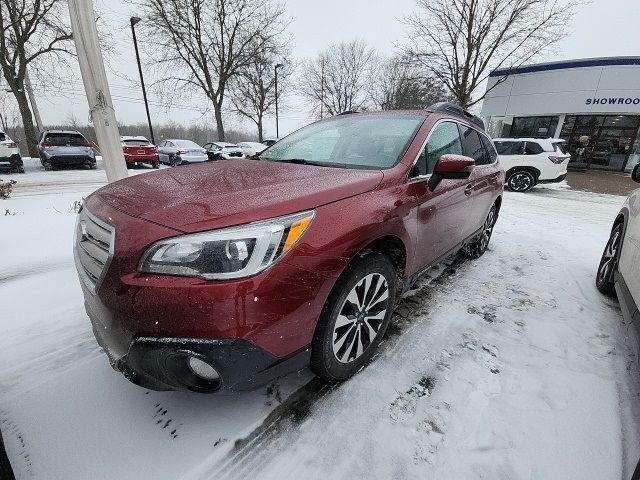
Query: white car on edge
<point x="251" y="148"/>
<point x="529" y="161"/>
<point x="619" y="269"/>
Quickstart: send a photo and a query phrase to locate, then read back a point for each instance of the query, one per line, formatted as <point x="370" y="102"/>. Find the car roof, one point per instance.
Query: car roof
<point x="225" y="144"/>
<point x="62" y="131"/>
<point x="133" y="137"/>
<point x="529" y="139"/>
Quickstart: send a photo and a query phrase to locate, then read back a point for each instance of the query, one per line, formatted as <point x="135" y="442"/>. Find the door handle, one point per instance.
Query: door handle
<point x="468" y="189"/>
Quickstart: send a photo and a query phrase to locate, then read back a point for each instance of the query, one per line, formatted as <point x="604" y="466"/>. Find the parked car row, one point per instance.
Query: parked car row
<point x="67" y="148"/>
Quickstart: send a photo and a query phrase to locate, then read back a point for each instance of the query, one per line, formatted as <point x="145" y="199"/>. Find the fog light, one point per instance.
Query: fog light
<point x="203" y="369"/>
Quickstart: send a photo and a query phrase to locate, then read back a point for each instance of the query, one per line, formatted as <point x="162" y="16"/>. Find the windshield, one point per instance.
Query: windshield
<point x="358" y="141"/>
<point x="187" y="144"/>
<point x="62" y="139"/>
<point x="136" y="143"/>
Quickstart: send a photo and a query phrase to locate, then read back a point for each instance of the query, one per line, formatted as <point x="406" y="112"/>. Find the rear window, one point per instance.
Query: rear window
<point x="560" y="147"/>
<point x="509" y="148"/>
<point x="187" y="144"/>
<point x="532" y="148"/>
<point x="136" y="143"/>
<point x="64" y="139"/>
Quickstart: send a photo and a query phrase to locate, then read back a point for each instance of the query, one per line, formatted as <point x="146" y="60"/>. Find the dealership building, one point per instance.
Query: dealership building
<point x="593" y="104"/>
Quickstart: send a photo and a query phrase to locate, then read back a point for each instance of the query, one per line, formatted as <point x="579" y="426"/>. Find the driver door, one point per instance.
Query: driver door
<point x="441" y="214"/>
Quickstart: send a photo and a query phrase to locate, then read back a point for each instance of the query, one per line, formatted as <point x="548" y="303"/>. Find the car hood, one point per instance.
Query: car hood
<point x="220" y="194"/>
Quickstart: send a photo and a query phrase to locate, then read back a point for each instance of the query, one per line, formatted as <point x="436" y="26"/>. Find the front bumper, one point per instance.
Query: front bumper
<point x="162" y="363"/>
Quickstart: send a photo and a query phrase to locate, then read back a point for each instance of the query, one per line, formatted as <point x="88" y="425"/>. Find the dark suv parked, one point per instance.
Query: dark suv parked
<point x="62" y="148"/>
<point x="225" y="274"/>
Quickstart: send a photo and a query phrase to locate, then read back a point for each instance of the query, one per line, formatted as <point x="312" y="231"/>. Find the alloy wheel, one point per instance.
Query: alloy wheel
<point x="609" y="258"/>
<point x="360" y="317"/>
<point x="520" y="182"/>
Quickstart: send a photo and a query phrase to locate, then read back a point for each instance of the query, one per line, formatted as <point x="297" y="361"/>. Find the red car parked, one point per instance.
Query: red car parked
<point x="139" y="150"/>
<point x="226" y="274"/>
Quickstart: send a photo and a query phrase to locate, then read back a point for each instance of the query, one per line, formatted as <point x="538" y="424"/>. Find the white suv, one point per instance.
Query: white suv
<point x="10" y="157"/>
<point x="529" y="161"/>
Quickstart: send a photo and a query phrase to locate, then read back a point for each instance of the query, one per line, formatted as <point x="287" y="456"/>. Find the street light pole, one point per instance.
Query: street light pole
<point x="135" y="20"/>
<point x="279" y="65"/>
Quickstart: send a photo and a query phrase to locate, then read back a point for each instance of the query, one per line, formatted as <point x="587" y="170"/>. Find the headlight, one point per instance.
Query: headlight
<point x="234" y="252"/>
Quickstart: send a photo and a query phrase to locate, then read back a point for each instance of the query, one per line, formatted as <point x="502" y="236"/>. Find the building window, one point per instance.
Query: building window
<point x="603" y="142"/>
<point x="533" y="127"/>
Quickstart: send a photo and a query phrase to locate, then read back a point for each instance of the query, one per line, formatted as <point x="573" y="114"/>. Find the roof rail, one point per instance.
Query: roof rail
<point x="347" y="112"/>
<point x="456" y="110"/>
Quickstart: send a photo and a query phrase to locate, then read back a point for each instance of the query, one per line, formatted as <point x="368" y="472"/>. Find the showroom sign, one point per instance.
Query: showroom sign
<point x="613" y="101"/>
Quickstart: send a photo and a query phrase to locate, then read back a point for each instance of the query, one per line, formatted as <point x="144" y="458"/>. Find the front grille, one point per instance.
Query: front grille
<point x="93" y="248"/>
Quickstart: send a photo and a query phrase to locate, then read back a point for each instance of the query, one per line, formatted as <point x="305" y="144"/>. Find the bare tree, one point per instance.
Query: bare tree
<point x="205" y="43"/>
<point x="400" y="84"/>
<point x="461" y="41"/>
<point x="29" y="31"/>
<point x="253" y="92"/>
<point x="9" y="115"/>
<point x="338" y="79"/>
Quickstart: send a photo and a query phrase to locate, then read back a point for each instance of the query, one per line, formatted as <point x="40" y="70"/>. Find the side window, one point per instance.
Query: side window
<point x="488" y="145"/>
<point x="532" y="148"/>
<point x="472" y="145"/>
<point x="444" y="139"/>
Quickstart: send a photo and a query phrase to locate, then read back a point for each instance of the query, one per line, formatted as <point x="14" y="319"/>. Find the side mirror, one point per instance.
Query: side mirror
<point x="635" y="175"/>
<point x="451" y="167"/>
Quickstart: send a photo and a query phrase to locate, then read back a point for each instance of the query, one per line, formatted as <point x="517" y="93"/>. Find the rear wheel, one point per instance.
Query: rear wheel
<point x="355" y="318"/>
<point x="609" y="262"/>
<point x="155" y="164"/>
<point x="520" y="181"/>
<point x="479" y="245"/>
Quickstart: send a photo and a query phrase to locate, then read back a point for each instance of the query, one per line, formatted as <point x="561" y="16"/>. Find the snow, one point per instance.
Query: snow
<point x="509" y="366"/>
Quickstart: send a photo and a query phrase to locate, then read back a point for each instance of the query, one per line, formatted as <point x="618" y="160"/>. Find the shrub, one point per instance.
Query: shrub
<point x="6" y="188"/>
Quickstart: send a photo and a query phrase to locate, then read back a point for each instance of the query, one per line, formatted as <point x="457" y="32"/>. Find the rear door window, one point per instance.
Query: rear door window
<point x="488" y="145"/>
<point x="472" y="145"/>
<point x="532" y="148"/>
<point x="64" y="139"/>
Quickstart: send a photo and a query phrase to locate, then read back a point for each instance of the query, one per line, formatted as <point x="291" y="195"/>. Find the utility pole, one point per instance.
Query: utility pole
<point x="94" y="77"/>
<point x="279" y="65"/>
<point x="135" y="20"/>
<point x="32" y="101"/>
<point x="322" y="88"/>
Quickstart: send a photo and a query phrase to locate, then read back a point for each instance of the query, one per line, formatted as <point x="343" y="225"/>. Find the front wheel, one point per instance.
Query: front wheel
<point x="520" y="181"/>
<point x="355" y="318"/>
<point x="609" y="262"/>
<point x="172" y="161"/>
<point x="478" y="246"/>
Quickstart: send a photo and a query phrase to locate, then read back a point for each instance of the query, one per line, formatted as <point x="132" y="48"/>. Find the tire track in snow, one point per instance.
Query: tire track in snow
<point x="250" y="453"/>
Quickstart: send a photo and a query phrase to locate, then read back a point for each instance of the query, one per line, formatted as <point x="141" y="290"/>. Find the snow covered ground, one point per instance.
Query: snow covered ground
<point x="511" y="366"/>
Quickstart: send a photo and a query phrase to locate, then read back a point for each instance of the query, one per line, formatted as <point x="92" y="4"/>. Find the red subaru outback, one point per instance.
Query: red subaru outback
<point x="224" y="275"/>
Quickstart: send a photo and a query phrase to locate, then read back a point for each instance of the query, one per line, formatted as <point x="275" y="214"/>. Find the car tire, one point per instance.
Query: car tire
<point x="477" y="247"/>
<point x="92" y="166"/>
<point x="172" y="161"/>
<point x="354" y="318"/>
<point x="605" y="277"/>
<point x="520" y="181"/>
<point x="155" y="164"/>
<point x="19" y="169"/>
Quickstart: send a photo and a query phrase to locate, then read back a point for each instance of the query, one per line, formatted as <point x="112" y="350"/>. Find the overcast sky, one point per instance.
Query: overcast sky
<point x="600" y="28"/>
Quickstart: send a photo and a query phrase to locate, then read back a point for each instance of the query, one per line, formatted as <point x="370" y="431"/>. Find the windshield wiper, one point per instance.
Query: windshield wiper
<point x="299" y="161"/>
